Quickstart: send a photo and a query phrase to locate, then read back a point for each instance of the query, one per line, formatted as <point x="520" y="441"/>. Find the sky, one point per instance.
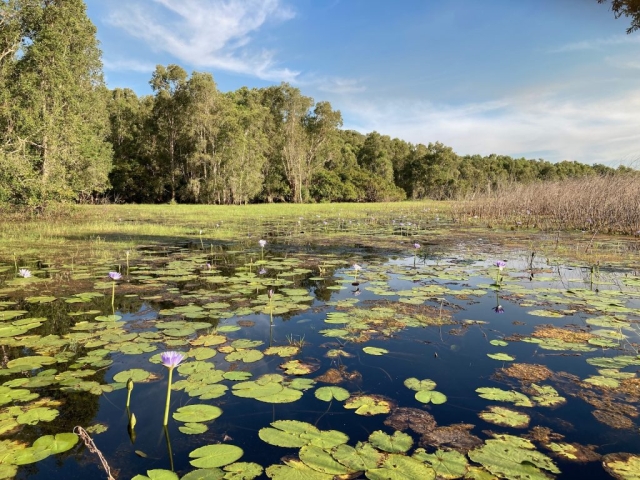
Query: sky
<point x="550" y="79"/>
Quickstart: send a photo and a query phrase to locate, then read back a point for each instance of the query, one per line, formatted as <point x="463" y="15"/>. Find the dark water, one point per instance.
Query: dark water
<point x="454" y="356"/>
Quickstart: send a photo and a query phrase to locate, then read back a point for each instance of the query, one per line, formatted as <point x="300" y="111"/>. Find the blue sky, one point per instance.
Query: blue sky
<point x="552" y="79"/>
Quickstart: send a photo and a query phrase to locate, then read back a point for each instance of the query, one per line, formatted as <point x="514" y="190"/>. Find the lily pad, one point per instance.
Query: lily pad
<point x="212" y="456"/>
<point x="329" y="393"/>
<point x="375" y="351"/>
<point x="505" y="417"/>
<point x="446" y="464"/>
<point x="399" y="442"/>
<point x="368" y="405"/>
<point x="197" y="413"/>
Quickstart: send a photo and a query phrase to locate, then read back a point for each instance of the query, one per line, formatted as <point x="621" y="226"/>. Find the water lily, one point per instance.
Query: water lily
<point x="114" y="276"/>
<point x="416" y="245"/>
<point x="24" y="273"/>
<point x="498" y="309"/>
<point x="356" y="268"/>
<point x="262" y="271"/>
<point x="262" y="243"/>
<point x="500" y="264"/>
<point x="170" y="360"/>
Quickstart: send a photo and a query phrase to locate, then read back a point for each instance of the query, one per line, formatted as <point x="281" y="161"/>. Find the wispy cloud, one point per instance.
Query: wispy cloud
<point x="210" y="34"/>
<point x="597" y="43"/>
<point x="590" y="131"/>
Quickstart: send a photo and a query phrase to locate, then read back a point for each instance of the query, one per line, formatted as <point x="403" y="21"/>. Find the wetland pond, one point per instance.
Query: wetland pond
<point x="299" y="365"/>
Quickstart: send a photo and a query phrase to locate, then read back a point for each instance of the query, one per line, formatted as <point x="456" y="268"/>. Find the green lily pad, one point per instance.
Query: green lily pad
<point x="59" y="443"/>
<point x="197" y="413"/>
<point x="368" y="405"/>
<point x="512" y="457"/>
<point x="296" y="470"/>
<point x="400" y="467"/>
<point x="399" y="442"/>
<point x="294" y="434"/>
<point x="36" y="415"/>
<point x="500" y="395"/>
<point x="327" y="394"/>
<point x="375" y="350"/>
<point x="136" y="374"/>
<point x="498" y="343"/>
<point x="157" y="474"/>
<point x="446" y="464"/>
<point x="285" y="351"/>
<point x="212" y="456"/>
<point x="247" y="356"/>
<point x="503" y="357"/>
<point x="321" y="460"/>
<point x="430" y="396"/>
<point x="415" y="384"/>
<point x="193" y="428"/>
<point x="505" y="417"/>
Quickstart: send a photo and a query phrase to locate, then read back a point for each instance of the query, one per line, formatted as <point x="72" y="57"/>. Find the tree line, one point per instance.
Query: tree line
<point x="65" y="136"/>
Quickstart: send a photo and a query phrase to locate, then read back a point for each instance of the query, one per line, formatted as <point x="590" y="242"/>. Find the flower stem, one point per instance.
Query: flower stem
<point x="166" y="408"/>
<point x="113" y="297"/>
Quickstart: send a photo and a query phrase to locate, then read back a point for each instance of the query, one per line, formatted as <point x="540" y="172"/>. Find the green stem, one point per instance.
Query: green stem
<point x="166" y="408"/>
<point x="166" y="436"/>
<point x="113" y="297"/>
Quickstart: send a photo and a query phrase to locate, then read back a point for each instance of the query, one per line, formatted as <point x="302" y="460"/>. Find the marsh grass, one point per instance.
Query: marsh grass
<point x="609" y="205"/>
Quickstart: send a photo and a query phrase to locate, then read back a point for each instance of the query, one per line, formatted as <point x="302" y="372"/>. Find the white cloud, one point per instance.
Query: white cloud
<point x="589" y="131"/>
<point x="597" y="43"/>
<point x="210" y="34"/>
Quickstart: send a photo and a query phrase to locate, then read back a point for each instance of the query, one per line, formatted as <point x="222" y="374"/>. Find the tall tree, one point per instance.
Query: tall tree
<point x="628" y="8"/>
<point x="55" y="117"/>
<point x="169" y="114"/>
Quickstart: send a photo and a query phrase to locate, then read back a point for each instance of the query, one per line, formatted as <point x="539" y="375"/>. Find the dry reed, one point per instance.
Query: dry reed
<point x="609" y="204"/>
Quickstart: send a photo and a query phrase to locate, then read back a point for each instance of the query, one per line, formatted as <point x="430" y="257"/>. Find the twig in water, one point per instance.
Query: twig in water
<point x="82" y="433"/>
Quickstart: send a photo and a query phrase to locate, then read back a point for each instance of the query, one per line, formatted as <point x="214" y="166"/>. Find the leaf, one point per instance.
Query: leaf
<point x="399" y="442"/>
<point x="193" y="428"/>
<point x="321" y="461"/>
<point x="58" y="444"/>
<point x="506" y="417"/>
<point x="498" y="343"/>
<point x="242" y="471"/>
<point x="514" y="458"/>
<point x="247" y="356"/>
<point x="624" y="466"/>
<point x="197" y="413"/>
<point x="296" y="470"/>
<point x="136" y="374"/>
<point x="426" y="396"/>
<point x="368" y="405"/>
<point x="285" y="351"/>
<point x="415" y="384"/>
<point x="213" y="456"/>
<point x="400" y="467"/>
<point x="36" y="415"/>
<point x="157" y="474"/>
<point x="375" y="350"/>
<point x="293" y="434"/>
<point x="327" y="394"/>
<point x="204" y="474"/>
<point x="362" y="457"/>
<point x="449" y="464"/>
<point x="503" y="357"/>
<point x="517" y="398"/>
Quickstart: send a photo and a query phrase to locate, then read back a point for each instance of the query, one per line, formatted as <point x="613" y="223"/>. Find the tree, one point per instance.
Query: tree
<point x="628" y="8"/>
<point x="53" y="99"/>
<point x="169" y="113"/>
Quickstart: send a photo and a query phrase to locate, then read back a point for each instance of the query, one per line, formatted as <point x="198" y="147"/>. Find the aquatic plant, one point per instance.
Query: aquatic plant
<point x="416" y="247"/>
<point x="170" y="360"/>
<point x="262" y="243"/>
<point x="24" y="273"/>
<point x="356" y="269"/>
<point x="129" y="390"/>
<point x="115" y="276"/>
<point x="500" y="264"/>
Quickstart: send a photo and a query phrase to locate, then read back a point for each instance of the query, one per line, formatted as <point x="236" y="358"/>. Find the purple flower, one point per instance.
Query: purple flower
<point x="115" y="276"/>
<point x="171" y="359"/>
<point x="262" y="271"/>
<point x="208" y="266"/>
<point x="262" y="243"/>
<point x="500" y="264"/>
<point x="498" y="309"/>
<point x="416" y="246"/>
<point x="270" y="293"/>
<point x="24" y="273"/>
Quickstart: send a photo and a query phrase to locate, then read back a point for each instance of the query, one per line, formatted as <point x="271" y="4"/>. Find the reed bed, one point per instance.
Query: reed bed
<point x="599" y="204"/>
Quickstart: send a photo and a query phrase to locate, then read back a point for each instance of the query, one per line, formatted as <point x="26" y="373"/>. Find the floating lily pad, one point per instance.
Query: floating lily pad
<point x="417" y="385"/>
<point x="213" y="456"/>
<point x="157" y="474"/>
<point x="368" y="405"/>
<point x="446" y="464"/>
<point x="136" y="374"/>
<point x="400" y="467"/>
<point x="197" y="413"/>
<point x="321" y="460"/>
<point x="397" y="443"/>
<point x="329" y="393"/>
<point x="503" y="357"/>
<point x="375" y="350"/>
<point x="430" y="396"/>
<point x="506" y="417"/>
<point x="292" y="434"/>
<point x="500" y="395"/>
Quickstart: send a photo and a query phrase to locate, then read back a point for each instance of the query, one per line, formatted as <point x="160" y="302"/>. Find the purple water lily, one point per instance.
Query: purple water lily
<point x="171" y="359"/>
<point x="115" y="276"/>
<point x="501" y="264"/>
<point x="498" y="309"/>
<point x="416" y="245"/>
<point x="262" y="271"/>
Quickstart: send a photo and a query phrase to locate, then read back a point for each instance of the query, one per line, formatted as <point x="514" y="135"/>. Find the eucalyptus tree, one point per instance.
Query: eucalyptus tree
<point x="375" y="155"/>
<point x="169" y="117"/>
<point x="54" y="115"/>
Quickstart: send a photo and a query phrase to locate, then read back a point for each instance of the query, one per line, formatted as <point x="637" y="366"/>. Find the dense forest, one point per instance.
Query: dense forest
<point x="65" y="136"/>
